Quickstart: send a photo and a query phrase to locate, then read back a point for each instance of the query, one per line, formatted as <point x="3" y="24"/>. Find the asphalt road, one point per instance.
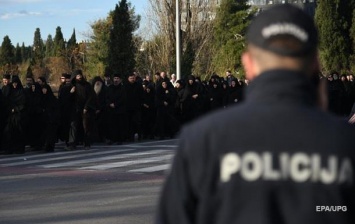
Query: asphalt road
<point x="108" y="184"/>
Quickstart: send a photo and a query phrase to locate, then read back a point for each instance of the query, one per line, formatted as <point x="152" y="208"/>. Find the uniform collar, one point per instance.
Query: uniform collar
<point x="283" y="86"/>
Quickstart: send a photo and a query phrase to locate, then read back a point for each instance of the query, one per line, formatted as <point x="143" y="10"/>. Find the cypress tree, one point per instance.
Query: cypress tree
<point x="59" y="45"/>
<point x="23" y="52"/>
<point x="7" y="55"/>
<point x="37" y="48"/>
<point x="18" y="55"/>
<point x="121" y="46"/>
<point x="49" y="46"/>
<point x="72" y="42"/>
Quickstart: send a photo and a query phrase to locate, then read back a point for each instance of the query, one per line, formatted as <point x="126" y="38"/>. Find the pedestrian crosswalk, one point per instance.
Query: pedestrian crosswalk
<point x="149" y="157"/>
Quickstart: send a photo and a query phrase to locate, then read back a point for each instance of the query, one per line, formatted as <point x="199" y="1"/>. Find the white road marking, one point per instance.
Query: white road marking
<point x="127" y="163"/>
<point x="151" y="169"/>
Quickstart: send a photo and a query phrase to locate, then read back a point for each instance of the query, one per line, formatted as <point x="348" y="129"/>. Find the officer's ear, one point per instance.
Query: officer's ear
<point x="250" y="67"/>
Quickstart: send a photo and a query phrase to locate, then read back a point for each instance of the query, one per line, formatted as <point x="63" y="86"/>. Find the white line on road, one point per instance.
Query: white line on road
<point x="127" y="163"/>
<point x="151" y="169"/>
<point x="100" y="159"/>
<point x="70" y="156"/>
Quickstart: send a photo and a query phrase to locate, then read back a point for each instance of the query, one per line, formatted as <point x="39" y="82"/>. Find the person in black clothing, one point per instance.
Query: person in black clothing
<point x="275" y="158"/>
<point x="148" y="111"/>
<point x="34" y="112"/>
<point x="2" y="115"/>
<point x="14" y="132"/>
<point x="101" y="121"/>
<point x="179" y="88"/>
<point x="235" y="93"/>
<point x="116" y="111"/>
<point x="165" y="102"/>
<point x="134" y="94"/>
<point x="215" y="96"/>
<point x="83" y="112"/>
<point x="336" y="92"/>
<point x="5" y="91"/>
<point x="192" y="102"/>
<point x="62" y="81"/>
<point x="66" y="104"/>
<point x="157" y="80"/>
<point x="50" y="118"/>
<point x="225" y="90"/>
<point x="347" y="102"/>
<point x="6" y="81"/>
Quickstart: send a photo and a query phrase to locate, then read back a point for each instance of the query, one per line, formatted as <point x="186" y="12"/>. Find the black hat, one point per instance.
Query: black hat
<point x="78" y="72"/>
<point x="67" y="76"/>
<point x="117" y="75"/>
<point x="283" y="20"/>
<point x="191" y="77"/>
<point x="7" y="76"/>
<point x="43" y="79"/>
<point x="16" y="79"/>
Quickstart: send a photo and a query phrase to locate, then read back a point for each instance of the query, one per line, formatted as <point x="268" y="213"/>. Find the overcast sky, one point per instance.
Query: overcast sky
<point x="20" y="18"/>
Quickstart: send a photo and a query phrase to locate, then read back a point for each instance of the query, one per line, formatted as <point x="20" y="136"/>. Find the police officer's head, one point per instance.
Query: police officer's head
<point x="282" y="37"/>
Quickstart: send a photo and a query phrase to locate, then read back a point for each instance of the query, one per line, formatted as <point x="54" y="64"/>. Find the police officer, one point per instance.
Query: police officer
<point x="276" y="157"/>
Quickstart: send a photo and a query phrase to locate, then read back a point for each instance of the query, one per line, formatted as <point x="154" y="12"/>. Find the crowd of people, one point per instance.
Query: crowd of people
<point x="341" y="93"/>
<point x="109" y="109"/>
<point x="114" y="110"/>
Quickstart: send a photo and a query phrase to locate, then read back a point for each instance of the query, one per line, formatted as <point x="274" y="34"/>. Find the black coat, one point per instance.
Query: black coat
<point x="14" y="133"/>
<point x="234" y="95"/>
<point x="84" y="96"/>
<point x="66" y="108"/>
<point x="272" y="159"/>
<point x="51" y="119"/>
<point x="116" y="94"/>
<point x="215" y="97"/>
<point x="134" y="94"/>
<point x="167" y="95"/>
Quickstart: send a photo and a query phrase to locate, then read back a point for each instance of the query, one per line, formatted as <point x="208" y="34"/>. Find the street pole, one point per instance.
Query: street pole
<point x="178" y="42"/>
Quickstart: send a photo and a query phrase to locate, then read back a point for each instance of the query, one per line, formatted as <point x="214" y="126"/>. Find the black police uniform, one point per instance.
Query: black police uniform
<point x="275" y="158"/>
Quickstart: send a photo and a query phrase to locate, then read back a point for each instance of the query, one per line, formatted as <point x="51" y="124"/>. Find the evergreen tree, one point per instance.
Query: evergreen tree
<point x="72" y="42"/>
<point x="121" y="46"/>
<point x="232" y="20"/>
<point x="352" y="37"/>
<point x="59" y="45"/>
<point x="49" y="46"/>
<point x="187" y="60"/>
<point x="7" y="55"/>
<point x="99" y="45"/>
<point x="333" y="18"/>
<point x="23" y="52"/>
<point x="37" y="48"/>
<point x="18" y="55"/>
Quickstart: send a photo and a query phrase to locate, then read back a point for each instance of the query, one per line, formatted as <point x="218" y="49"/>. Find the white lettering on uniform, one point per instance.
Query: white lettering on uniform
<point x="298" y="167"/>
<point x="284" y="165"/>
<point x="230" y="165"/>
<point x="330" y="175"/>
<point x="251" y="166"/>
<point x="269" y="172"/>
<point x="346" y="171"/>
<point x="315" y="167"/>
